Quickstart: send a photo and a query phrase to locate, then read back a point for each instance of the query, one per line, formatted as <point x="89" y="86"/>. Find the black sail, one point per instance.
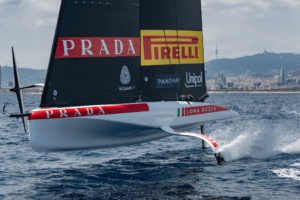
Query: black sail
<point x="95" y="54"/>
<point x="172" y="61"/>
<point x="121" y="51"/>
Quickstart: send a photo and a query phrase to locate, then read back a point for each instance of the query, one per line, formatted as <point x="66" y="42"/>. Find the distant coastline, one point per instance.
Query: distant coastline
<point x="253" y="92"/>
<point x="209" y="92"/>
<point x="8" y="92"/>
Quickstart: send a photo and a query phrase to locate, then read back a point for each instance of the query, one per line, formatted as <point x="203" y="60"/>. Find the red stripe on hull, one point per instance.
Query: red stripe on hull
<point x="203" y="110"/>
<point x="87" y="111"/>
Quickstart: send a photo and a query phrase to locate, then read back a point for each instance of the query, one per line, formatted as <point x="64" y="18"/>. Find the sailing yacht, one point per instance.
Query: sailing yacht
<point x="122" y="72"/>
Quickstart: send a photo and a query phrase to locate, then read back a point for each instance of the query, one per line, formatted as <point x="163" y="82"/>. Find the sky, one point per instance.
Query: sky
<point x="239" y="27"/>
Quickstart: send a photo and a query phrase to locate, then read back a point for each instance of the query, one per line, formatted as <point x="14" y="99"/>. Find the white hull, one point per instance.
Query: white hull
<point x="115" y="130"/>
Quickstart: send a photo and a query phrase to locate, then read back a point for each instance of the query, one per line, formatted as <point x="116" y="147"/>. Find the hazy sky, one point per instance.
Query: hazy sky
<point x="240" y="27"/>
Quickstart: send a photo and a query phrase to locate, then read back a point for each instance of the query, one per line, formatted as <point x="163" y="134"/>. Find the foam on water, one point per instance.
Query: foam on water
<point x="288" y="173"/>
<point x="292" y="173"/>
<point x="292" y="111"/>
<point x="295" y="165"/>
<point x="293" y="147"/>
<point x="256" y="140"/>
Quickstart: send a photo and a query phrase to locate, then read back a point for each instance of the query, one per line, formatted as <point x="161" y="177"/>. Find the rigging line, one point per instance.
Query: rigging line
<point x="178" y="45"/>
<point x="168" y="51"/>
<point x="4" y="110"/>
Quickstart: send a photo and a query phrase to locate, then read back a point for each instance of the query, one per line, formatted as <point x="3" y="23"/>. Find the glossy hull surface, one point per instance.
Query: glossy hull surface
<point x="114" y="129"/>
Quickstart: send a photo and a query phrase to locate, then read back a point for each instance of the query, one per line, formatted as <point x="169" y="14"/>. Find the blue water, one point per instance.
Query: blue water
<point x="261" y="147"/>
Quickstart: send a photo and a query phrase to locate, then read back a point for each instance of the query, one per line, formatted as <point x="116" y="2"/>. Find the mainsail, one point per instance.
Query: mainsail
<point x="172" y="61"/>
<point x="121" y="51"/>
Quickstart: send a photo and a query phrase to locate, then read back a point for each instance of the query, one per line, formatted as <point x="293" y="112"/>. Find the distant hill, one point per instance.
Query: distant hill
<point x="266" y="63"/>
<point x="27" y="76"/>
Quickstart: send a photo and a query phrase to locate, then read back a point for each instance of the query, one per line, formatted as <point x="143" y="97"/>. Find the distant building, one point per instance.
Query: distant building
<point x="291" y="81"/>
<point x="230" y="85"/>
<point x="10" y="84"/>
<point x="257" y="84"/>
<point x="214" y="87"/>
<point x="274" y="86"/>
<point x="282" y="77"/>
<point x="0" y="77"/>
<point x="220" y="79"/>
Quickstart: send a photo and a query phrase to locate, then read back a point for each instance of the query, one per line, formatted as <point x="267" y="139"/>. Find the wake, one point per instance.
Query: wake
<point x="256" y="140"/>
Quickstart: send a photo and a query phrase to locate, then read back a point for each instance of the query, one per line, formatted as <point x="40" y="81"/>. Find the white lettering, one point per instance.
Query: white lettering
<point x="126" y="88"/>
<point x="88" y="111"/>
<point x="77" y="111"/>
<point x="131" y="48"/>
<point x="65" y="44"/>
<point x="194" y="79"/>
<point x="48" y="114"/>
<point x="104" y="48"/>
<point x="101" y="111"/>
<point x="116" y="47"/>
<point x="63" y="114"/>
<point x="86" y="49"/>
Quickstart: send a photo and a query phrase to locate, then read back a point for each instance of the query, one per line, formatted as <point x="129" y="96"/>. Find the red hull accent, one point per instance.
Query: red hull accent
<point x="87" y="111"/>
<point x="202" y="110"/>
<point x="214" y="143"/>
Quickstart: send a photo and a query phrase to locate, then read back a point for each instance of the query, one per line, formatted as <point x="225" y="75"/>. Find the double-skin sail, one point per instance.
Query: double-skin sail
<point x="121" y="51"/>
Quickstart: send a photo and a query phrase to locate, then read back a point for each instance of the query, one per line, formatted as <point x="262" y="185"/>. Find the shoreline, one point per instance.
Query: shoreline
<point x="24" y="93"/>
<point x="209" y="92"/>
<point x="254" y="92"/>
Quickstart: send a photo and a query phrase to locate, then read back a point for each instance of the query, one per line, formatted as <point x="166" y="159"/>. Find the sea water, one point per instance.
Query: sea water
<point x="261" y="148"/>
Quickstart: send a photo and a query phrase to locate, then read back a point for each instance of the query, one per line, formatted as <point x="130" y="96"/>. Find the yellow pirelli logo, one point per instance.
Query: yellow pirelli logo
<point x="173" y="47"/>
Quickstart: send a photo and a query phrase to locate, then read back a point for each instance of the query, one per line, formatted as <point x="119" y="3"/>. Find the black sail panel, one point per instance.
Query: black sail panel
<point x="172" y="60"/>
<point x="95" y="56"/>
